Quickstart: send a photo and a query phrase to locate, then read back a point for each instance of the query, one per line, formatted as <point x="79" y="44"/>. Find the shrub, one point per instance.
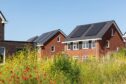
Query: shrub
<point x="66" y="66"/>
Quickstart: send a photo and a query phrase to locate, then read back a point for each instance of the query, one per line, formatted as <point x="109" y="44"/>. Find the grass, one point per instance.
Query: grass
<point x="23" y="68"/>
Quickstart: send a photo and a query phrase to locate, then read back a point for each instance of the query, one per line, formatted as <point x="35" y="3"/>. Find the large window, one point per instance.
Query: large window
<point x="2" y="55"/>
<point x="75" y="46"/>
<point x="93" y="44"/>
<point x="85" y="45"/>
<point x="69" y="46"/>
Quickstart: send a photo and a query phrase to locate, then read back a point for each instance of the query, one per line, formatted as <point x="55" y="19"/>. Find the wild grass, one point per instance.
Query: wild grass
<point x="24" y="68"/>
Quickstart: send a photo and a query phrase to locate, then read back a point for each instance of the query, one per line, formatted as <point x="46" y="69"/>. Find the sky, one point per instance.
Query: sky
<point x="28" y="18"/>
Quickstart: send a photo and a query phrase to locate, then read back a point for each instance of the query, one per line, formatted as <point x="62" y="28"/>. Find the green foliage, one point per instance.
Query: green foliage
<point x="24" y="68"/>
<point x="67" y="66"/>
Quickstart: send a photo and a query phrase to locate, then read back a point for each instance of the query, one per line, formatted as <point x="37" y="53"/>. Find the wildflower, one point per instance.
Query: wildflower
<point x="30" y="76"/>
<point x="0" y="73"/>
<point x="24" y="78"/>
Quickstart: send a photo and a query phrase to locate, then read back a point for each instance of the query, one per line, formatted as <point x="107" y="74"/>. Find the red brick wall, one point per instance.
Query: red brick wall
<point x="1" y="30"/>
<point x="83" y="52"/>
<point x="59" y="46"/>
<point x="115" y="41"/>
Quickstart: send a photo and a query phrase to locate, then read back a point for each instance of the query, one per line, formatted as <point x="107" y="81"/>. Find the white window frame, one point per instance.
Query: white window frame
<point x="68" y="47"/>
<point x="39" y="49"/>
<point x="85" y="57"/>
<point x="76" y="46"/>
<point x="4" y="57"/>
<point x="108" y="44"/>
<point x="58" y="39"/>
<point x="85" y="44"/>
<point x="93" y="44"/>
<point x="112" y="32"/>
<point x="54" y="48"/>
<point x="76" y="57"/>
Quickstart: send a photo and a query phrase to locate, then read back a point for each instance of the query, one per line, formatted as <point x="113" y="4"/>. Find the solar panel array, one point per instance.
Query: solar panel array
<point x="45" y="37"/>
<point x="80" y="31"/>
<point x="95" y="29"/>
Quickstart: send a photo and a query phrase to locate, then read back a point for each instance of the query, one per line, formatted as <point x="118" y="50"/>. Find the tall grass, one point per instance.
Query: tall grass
<point x="24" y="68"/>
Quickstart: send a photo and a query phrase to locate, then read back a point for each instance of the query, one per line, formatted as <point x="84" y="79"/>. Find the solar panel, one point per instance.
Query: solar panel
<point x="80" y="31"/>
<point x="95" y="29"/>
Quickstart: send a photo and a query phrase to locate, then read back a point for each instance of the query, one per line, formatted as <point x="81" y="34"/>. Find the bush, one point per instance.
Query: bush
<point x="66" y="66"/>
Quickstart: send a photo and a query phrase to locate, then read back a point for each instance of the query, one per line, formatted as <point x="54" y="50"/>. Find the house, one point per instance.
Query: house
<point x="7" y="47"/>
<point x="124" y="37"/>
<point x="49" y="43"/>
<point x="96" y="39"/>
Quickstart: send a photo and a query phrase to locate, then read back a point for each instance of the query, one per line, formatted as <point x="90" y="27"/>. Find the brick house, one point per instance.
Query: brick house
<point x="124" y="37"/>
<point x="7" y="47"/>
<point x="49" y="43"/>
<point x="95" y="39"/>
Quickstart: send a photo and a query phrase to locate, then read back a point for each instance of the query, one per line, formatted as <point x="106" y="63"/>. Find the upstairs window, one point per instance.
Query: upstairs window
<point x="58" y="39"/>
<point x="112" y="32"/>
<point x="53" y="49"/>
<point x="75" y="46"/>
<point x="85" y="45"/>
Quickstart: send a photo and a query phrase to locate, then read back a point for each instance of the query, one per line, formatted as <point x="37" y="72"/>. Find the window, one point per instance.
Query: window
<point x="39" y="49"/>
<point x="75" y="46"/>
<point x="85" y="45"/>
<point x="84" y="57"/>
<point x="93" y="44"/>
<point x="107" y="44"/>
<point x="58" y="39"/>
<point x="76" y="57"/>
<point x="68" y="46"/>
<point x="53" y="49"/>
<point x="2" y="55"/>
<point x="112" y="32"/>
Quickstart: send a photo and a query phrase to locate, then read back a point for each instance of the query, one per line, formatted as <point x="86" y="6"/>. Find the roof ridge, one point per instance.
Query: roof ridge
<point x="96" y="23"/>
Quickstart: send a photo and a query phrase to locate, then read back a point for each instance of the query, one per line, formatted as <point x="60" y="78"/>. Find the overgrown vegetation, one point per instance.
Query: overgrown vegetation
<point x="24" y="68"/>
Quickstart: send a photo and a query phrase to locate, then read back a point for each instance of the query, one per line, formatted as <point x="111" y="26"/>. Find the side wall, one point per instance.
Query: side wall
<point x="115" y="42"/>
<point x="83" y="52"/>
<point x="59" y="46"/>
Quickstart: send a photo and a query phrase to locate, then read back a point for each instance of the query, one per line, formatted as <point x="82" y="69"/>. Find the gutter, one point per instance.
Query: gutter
<point x="82" y="40"/>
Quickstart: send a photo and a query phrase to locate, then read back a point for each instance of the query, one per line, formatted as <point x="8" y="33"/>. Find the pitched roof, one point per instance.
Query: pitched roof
<point x="32" y="39"/>
<point x="43" y="38"/>
<point x="91" y="31"/>
<point x="124" y="35"/>
<point x="3" y="18"/>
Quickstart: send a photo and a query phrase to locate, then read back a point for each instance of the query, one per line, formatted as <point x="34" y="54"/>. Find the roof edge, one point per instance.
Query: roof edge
<point x="82" y="40"/>
<point x="3" y="18"/>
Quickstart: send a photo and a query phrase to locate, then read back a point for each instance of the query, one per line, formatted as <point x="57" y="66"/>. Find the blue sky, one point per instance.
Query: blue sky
<point x="27" y="18"/>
